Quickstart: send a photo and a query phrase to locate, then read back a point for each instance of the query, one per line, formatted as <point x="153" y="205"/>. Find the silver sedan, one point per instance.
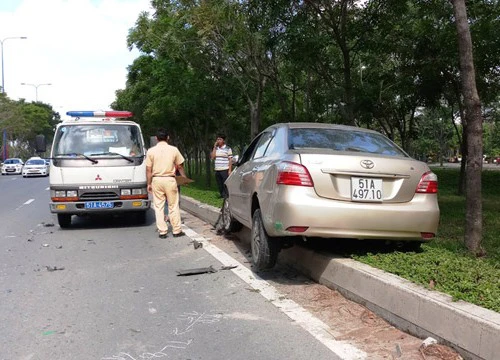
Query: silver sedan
<point x="328" y="181"/>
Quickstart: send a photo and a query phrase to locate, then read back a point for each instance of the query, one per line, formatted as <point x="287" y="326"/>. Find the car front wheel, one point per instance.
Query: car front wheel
<point x="265" y="248"/>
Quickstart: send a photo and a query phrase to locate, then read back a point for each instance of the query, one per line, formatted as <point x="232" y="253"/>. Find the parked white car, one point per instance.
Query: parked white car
<point x="12" y="166"/>
<point x="36" y="166"/>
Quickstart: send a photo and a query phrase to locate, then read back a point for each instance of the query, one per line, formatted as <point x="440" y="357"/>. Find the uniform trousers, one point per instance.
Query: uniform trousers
<point x="165" y="189"/>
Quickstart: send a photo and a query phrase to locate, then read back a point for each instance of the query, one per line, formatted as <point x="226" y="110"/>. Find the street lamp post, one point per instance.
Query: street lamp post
<point x="1" y="48"/>
<point x="4" y="153"/>
<point x="36" y="88"/>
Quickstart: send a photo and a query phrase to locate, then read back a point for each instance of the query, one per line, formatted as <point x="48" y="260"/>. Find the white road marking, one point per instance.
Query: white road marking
<point x="48" y="188"/>
<point x="26" y="203"/>
<point x="314" y="326"/>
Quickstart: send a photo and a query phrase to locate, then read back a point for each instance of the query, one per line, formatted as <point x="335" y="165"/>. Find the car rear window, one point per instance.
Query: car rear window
<point x="343" y="140"/>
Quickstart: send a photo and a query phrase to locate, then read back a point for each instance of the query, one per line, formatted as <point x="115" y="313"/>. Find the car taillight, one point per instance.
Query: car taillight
<point x="290" y="173"/>
<point x="428" y="184"/>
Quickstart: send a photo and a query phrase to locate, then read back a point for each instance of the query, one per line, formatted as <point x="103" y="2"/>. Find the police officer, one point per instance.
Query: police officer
<point x="161" y="163"/>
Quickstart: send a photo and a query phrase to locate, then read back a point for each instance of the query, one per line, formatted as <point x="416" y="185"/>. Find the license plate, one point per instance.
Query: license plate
<point x="366" y="189"/>
<point x="99" y="205"/>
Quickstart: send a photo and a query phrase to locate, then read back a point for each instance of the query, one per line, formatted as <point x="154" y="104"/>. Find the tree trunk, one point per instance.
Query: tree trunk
<point x="474" y="213"/>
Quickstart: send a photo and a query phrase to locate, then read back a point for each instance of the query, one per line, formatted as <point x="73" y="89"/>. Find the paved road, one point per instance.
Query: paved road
<point x="110" y="290"/>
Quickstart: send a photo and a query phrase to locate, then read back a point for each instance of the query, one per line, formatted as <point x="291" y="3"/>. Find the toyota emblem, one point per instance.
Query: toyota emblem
<point x="367" y="164"/>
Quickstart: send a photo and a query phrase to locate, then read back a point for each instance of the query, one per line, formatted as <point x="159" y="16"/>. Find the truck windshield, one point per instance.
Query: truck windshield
<point x="95" y="140"/>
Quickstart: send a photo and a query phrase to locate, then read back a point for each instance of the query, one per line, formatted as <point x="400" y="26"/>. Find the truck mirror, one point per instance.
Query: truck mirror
<point x="153" y="141"/>
<point x="40" y="144"/>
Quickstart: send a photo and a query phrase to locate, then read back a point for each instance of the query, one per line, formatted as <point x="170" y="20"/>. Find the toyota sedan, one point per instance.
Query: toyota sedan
<point x="300" y="180"/>
<point x="35" y="166"/>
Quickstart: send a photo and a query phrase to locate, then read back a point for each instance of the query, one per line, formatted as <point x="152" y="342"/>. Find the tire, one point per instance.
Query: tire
<point x="141" y="217"/>
<point x="64" y="220"/>
<point x="265" y="249"/>
<point x="229" y="224"/>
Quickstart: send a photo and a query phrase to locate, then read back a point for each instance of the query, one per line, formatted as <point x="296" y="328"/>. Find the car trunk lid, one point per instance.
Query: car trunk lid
<point x="374" y="178"/>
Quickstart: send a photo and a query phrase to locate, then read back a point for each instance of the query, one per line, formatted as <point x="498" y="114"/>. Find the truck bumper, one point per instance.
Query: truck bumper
<point x="78" y="207"/>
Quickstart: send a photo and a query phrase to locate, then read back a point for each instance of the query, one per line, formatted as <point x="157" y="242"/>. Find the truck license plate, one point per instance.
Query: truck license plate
<point x="99" y="205"/>
<point x="366" y="189"/>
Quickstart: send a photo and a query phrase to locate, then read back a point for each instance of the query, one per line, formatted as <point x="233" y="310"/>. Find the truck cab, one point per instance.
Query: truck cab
<point x="98" y="167"/>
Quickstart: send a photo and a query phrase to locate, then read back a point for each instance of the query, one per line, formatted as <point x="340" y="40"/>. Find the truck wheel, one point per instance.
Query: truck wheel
<point x="141" y="217"/>
<point x="265" y="249"/>
<point x="229" y="224"/>
<point x="64" y="220"/>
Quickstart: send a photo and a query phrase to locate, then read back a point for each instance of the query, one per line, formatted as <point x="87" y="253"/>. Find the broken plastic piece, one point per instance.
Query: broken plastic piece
<point x="228" y="267"/>
<point x="197" y="271"/>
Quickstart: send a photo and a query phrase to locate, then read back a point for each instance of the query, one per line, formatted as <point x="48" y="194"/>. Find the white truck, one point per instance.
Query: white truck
<point x="97" y="166"/>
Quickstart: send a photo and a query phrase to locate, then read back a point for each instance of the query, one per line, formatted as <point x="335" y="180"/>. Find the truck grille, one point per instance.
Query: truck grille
<point x="99" y="196"/>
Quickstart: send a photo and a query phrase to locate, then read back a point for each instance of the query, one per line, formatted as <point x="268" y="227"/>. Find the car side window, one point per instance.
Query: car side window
<point x="264" y="141"/>
<point x="247" y="154"/>
<point x="276" y="145"/>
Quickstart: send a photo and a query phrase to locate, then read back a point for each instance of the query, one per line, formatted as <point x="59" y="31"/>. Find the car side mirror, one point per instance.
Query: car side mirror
<point x="235" y="160"/>
<point x="40" y="144"/>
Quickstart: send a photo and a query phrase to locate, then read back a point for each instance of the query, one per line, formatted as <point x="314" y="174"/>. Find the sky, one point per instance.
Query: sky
<point x="77" y="46"/>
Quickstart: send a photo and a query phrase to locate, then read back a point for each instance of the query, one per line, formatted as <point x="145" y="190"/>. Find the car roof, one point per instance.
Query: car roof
<point x="308" y="125"/>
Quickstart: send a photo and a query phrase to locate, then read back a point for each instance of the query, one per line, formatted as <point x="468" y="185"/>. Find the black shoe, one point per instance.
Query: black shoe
<point x="163" y="236"/>
<point x="182" y="233"/>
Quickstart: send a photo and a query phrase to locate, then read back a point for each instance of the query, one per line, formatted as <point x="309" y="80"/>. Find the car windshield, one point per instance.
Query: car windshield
<point x="98" y="139"/>
<point x="12" y="161"/>
<point x="343" y="140"/>
<point x="35" y="162"/>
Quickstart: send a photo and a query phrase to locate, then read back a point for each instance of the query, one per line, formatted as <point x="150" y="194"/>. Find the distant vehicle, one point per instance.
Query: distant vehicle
<point x="12" y="166"/>
<point x="301" y="180"/>
<point x="36" y="166"/>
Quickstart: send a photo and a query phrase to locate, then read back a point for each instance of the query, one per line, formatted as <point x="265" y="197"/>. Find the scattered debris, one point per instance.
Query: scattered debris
<point x="197" y="244"/>
<point x="430" y="349"/>
<point x="30" y="239"/>
<point x="48" y="225"/>
<point x="59" y="247"/>
<point x="399" y="352"/>
<point x="54" y="268"/>
<point x="205" y="270"/>
<point x="428" y="341"/>
<point x="45" y="245"/>
<point x="228" y="267"/>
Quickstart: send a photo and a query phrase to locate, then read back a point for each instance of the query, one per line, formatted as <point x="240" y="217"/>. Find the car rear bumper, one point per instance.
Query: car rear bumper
<point x="344" y="219"/>
<point x="78" y="207"/>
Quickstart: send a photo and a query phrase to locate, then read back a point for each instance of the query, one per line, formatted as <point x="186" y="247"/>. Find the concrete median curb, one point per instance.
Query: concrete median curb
<point x="470" y="329"/>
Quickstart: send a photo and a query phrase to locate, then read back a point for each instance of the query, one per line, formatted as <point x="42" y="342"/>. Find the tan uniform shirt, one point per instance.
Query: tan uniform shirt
<point x="162" y="159"/>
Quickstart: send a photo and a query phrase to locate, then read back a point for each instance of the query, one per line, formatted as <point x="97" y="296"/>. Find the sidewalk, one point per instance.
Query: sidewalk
<point x="471" y="330"/>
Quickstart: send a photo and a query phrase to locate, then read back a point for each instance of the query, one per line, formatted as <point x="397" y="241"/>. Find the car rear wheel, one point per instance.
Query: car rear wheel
<point x="229" y="224"/>
<point x="265" y="248"/>
<point x="64" y="220"/>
